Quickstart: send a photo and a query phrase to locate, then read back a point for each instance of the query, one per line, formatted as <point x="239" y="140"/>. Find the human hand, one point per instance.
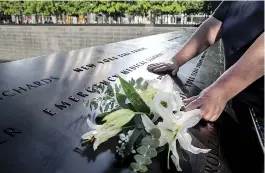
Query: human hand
<point x="211" y="102"/>
<point x="171" y="65"/>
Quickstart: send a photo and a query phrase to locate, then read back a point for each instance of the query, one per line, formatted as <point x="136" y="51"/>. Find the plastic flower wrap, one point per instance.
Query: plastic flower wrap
<point x="146" y="115"/>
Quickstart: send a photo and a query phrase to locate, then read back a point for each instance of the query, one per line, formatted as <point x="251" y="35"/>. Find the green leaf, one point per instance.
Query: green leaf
<point x="142" y="160"/>
<point x="147" y="161"/>
<point x="135" y="166"/>
<point x="117" y="89"/>
<point x="147" y="140"/>
<point x="139" y="159"/>
<point x="134" y="97"/>
<point x="143" y="168"/>
<point x="135" y="135"/>
<point x="154" y="143"/>
<point x="144" y="86"/>
<point x="139" y="80"/>
<point x="133" y="82"/>
<point x="151" y="153"/>
<point x="156" y="133"/>
<point x="137" y="120"/>
<point x="121" y="100"/>
<point x="142" y="149"/>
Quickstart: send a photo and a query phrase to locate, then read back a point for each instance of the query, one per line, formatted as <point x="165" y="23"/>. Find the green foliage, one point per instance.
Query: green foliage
<point x="104" y="101"/>
<point x="11" y="7"/>
<point x="137" y="133"/>
<point x="112" y="8"/>
<point x="135" y="99"/>
<point x="146" y="151"/>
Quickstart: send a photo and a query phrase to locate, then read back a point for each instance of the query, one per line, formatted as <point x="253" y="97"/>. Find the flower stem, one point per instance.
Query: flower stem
<point x="168" y="158"/>
<point x="127" y="127"/>
<point x="139" y="113"/>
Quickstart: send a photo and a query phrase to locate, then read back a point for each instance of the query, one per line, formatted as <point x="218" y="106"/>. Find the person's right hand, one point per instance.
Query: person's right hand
<point x="171" y="66"/>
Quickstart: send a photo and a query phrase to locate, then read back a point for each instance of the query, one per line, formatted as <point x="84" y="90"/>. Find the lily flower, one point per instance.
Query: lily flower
<point x="112" y="126"/>
<point x="174" y="125"/>
<point x="154" y="87"/>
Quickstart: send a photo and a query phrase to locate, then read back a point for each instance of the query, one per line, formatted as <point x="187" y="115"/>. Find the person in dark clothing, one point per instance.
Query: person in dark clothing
<point x="240" y="25"/>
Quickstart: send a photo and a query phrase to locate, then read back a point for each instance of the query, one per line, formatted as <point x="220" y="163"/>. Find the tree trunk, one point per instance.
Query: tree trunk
<point x="36" y="19"/>
<point x="42" y="19"/>
<point x="161" y="19"/>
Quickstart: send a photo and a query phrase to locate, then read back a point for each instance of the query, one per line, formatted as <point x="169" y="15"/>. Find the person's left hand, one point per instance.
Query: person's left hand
<point x="211" y="102"/>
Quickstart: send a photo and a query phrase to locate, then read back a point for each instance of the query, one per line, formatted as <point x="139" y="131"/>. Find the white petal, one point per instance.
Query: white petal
<point x="175" y="156"/>
<point x="165" y="125"/>
<point x="185" y="141"/>
<point x="148" y="124"/>
<point x="178" y="103"/>
<point x="104" y="136"/>
<point x="147" y="95"/>
<point x="166" y="84"/>
<point x="189" y="119"/>
<point x="117" y="114"/>
<point x="165" y="137"/>
<point x="165" y="112"/>
<point x="89" y="135"/>
<point x="156" y="116"/>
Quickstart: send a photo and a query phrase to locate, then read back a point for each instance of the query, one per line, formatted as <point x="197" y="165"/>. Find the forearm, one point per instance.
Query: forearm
<point x="206" y="35"/>
<point x="248" y="69"/>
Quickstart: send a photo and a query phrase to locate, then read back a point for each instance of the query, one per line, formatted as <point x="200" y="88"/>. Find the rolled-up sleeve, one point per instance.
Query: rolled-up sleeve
<point x="221" y="11"/>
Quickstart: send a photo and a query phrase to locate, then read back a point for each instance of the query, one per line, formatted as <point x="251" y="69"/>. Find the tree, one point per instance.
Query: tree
<point x="192" y="7"/>
<point x="132" y="9"/>
<point x="11" y="7"/>
<point x="117" y="9"/>
<point x="210" y="6"/>
<point x="156" y="9"/>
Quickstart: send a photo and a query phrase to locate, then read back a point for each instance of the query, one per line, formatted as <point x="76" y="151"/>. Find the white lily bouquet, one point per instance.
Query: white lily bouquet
<point x="147" y="116"/>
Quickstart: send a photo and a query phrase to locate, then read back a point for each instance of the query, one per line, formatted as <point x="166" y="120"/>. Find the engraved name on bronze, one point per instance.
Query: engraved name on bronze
<point x="106" y="60"/>
<point x="213" y="163"/>
<point x="27" y="87"/>
<point x="64" y="104"/>
<point x="8" y="133"/>
<point x="194" y="73"/>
